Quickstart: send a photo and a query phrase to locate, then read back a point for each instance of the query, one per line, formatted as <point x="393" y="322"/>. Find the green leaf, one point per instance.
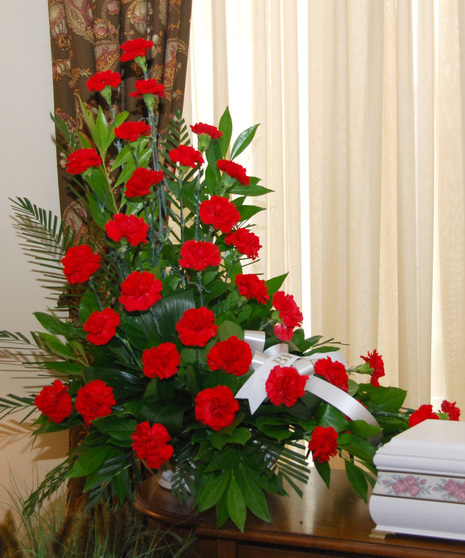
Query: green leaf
<point x="254" y="495"/>
<point x="213" y="491"/>
<point x="98" y="181"/>
<point x="90" y="461"/>
<point x="228" y="328"/>
<point x="275" y="283"/>
<point x="54" y="325"/>
<point x="169" y="310"/>
<point x="243" y="141"/>
<point x="89" y="304"/>
<point x="363" y="429"/>
<point x="236" y="504"/>
<point x="324" y="470"/>
<point x="327" y="415"/>
<point x="124" y="383"/>
<point x="119" y="427"/>
<point x="68" y="368"/>
<point x="357" y="479"/>
<point x="237" y="436"/>
<point x="385" y="399"/>
<point x="225" y="126"/>
<point x="55" y="346"/>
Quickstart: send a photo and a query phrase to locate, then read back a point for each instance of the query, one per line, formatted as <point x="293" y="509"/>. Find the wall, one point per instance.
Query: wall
<point x="28" y="169"/>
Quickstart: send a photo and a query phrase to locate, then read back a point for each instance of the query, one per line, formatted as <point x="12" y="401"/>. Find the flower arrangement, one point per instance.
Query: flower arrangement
<point x="164" y="348"/>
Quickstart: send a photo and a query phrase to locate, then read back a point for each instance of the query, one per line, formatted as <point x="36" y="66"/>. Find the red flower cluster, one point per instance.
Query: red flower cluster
<point x="101" y="326"/>
<point x="451" y="409"/>
<point x="148" y="87"/>
<point x="151" y="444"/>
<point x="139" y="291"/>
<point x="196" y="327"/>
<point x="94" y="400"/>
<point x="285" y="385"/>
<point x="54" y="401"/>
<point x="233" y="355"/>
<point x="216" y="407"/>
<point x="251" y="286"/>
<point x="141" y="181"/>
<point x="134" y="48"/>
<point x="423" y="412"/>
<point x="82" y="159"/>
<point x="79" y="263"/>
<point x="323" y="443"/>
<point x="186" y="156"/>
<point x="288" y="310"/>
<point x="100" y="80"/>
<point x="133" y="229"/>
<point x="162" y="361"/>
<point x="246" y="242"/>
<point x="220" y="213"/>
<point x="335" y="372"/>
<point x="234" y="170"/>
<point x="283" y="332"/>
<point x="199" y="254"/>
<point x="375" y="361"/>
<point x="132" y="131"/>
<point x="206" y="129"/>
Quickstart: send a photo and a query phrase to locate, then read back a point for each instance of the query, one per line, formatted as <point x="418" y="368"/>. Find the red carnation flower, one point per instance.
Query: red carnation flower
<point x="134" y="48"/>
<point x="101" y="326"/>
<point x="216" y="407"/>
<point x="141" y="181"/>
<point x="79" y="263"/>
<point x="148" y="87"/>
<point x="132" y="131"/>
<point x="375" y="361"/>
<point x="82" y="159"/>
<point x="233" y="355"/>
<point x="94" y="400"/>
<point x="54" y="401"/>
<point x="186" y="156"/>
<point x="197" y="254"/>
<point x="283" y="332"/>
<point x="288" y="310"/>
<point x="150" y="443"/>
<point x="234" y="170"/>
<point x="251" y="286"/>
<point x="451" y="409"/>
<point x="423" y="412"/>
<point x="206" y="129"/>
<point x="133" y="229"/>
<point x="285" y="385"/>
<point x="246" y="242"/>
<point x="333" y="371"/>
<point x="220" y="213"/>
<point x="196" y="327"/>
<point x="100" y="80"/>
<point x="323" y="443"/>
<point x="140" y="291"/>
<point x="162" y="361"/>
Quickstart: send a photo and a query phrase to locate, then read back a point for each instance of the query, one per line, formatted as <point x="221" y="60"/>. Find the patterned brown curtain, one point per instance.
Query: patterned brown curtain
<point x="86" y="36"/>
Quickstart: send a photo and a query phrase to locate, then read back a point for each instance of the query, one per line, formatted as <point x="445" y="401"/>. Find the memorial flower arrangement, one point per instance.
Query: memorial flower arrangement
<point x="165" y="349"/>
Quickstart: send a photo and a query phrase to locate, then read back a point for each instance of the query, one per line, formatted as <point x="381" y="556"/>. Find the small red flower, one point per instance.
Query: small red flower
<point x="100" y="80"/>
<point x="198" y="254"/>
<point x="335" y="372"/>
<point x="451" y="409"/>
<point x="285" y="385"/>
<point x="207" y="129"/>
<point x="82" y="159"/>
<point x="246" y="242"/>
<point x="220" y="213"/>
<point x="148" y="87"/>
<point x="233" y="355"/>
<point x="101" y="326"/>
<point x="251" y="286"/>
<point x="140" y="291"/>
<point x="141" y="181"/>
<point x="94" y="400"/>
<point x="133" y="229"/>
<point x="54" y="401"/>
<point x="79" y="263"/>
<point x="162" y="361"/>
<point x="186" y="156"/>
<point x="134" y="48"/>
<point x="323" y="443"/>
<point x="283" y="332"/>
<point x="196" y="327"/>
<point x="375" y="361"/>
<point x="423" y="412"/>
<point x="234" y="170"/>
<point x="132" y="131"/>
<point x="288" y="310"/>
<point x="150" y="443"/>
<point x="216" y="407"/>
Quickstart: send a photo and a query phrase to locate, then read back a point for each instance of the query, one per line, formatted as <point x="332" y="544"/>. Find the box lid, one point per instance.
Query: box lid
<point x="433" y="446"/>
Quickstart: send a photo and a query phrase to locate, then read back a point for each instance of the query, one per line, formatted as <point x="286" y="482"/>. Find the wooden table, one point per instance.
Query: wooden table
<point x="324" y="523"/>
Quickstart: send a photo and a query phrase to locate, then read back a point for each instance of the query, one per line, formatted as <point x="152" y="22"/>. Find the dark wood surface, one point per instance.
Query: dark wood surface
<point x="334" y="522"/>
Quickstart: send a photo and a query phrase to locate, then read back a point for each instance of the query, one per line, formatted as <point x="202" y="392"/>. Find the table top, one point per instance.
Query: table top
<point x="327" y="519"/>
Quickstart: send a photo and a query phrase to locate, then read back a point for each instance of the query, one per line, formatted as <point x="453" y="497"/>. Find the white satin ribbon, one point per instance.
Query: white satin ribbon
<point x="263" y="362"/>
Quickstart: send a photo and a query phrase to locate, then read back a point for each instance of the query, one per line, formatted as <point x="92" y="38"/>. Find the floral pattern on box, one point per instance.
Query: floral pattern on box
<point x="421" y="487"/>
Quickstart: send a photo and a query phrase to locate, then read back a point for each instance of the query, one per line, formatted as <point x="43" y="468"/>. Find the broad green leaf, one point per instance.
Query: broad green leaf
<point x="243" y="140"/>
<point x="238" y="436"/>
<point x="89" y="304"/>
<point x="388" y="400"/>
<point x="119" y="427"/>
<point x="55" y="346"/>
<point x="225" y="126"/>
<point x="363" y="429"/>
<point x="213" y="491"/>
<point x="236" y="504"/>
<point x="327" y="415"/>
<point x="90" y="461"/>
<point x="274" y="284"/>
<point x="324" y="470"/>
<point x="254" y="496"/>
<point x="357" y="479"/>
<point x="124" y="383"/>
<point x="54" y="325"/>
<point x="98" y="181"/>
<point x="169" y="310"/>
<point x="68" y="368"/>
<point x="252" y="190"/>
<point x="228" y="328"/>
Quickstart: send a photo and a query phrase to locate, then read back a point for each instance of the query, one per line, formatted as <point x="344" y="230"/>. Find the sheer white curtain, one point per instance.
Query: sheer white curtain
<point x="362" y="140"/>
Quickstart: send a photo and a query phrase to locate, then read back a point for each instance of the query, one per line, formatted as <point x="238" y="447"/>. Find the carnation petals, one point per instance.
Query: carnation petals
<point x="216" y="407"/>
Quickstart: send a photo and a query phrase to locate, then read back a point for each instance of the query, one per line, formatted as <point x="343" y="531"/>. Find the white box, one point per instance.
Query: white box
<point x="421" y="481"/>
